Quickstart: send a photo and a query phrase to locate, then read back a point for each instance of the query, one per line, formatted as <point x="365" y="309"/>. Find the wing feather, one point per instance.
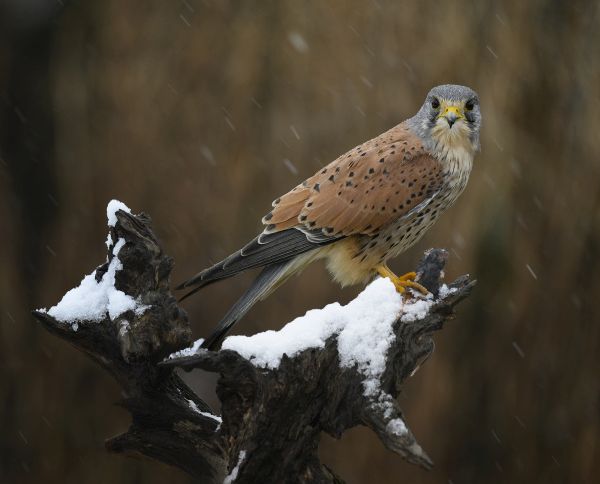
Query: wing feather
<point x="384" y="192"/>
<point x="363" y="190"/>
<point x="263" y="250"/>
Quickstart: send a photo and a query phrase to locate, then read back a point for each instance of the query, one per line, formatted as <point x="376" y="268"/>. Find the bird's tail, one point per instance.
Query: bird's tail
<point x="271" y="277"/>
<point x="264" y="250"/>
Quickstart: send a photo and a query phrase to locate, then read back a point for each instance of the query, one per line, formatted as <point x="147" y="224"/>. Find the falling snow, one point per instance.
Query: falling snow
<point x="290" y="166"/>
<point x="518" y="349"/>
<point x="491" y="51"/>
<point x="298" y="42"/>
<point x="533" y="274"/>
<point x="294" y="131"/>
<point x="208" y="154"/>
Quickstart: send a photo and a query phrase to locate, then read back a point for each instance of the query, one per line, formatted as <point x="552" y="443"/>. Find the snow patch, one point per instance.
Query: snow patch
<point x="140" y="308"/>
<point x="418" y="309"/>
<point x="384" y="402"/>
<point x="92" y="300"/>
<point x="111" y="211"/>
<point x="363" y="326"/>
<point x="368" y="332"/>
<point x="234" y="472"/>
<point x="445" y="291"/>
<point x="191" y="351"/>
<point x="396" y="427"/>
<point x="195" y="408"/>
<point x="123" y="329"/>
<point x="364" y="329"/>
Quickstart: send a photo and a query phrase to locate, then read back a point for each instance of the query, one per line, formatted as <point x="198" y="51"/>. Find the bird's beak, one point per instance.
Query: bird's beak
<point x="452" y="114"/>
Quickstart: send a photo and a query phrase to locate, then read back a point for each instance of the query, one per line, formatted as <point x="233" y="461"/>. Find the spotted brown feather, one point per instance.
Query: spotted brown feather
<point x="363" y="190"/>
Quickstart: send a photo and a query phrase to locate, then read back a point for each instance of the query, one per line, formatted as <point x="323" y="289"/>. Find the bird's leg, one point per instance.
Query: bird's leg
<point x="403" y="281"/>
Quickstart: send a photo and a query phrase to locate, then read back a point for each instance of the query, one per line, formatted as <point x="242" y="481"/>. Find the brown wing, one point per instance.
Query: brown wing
<point x="363" y="190"/>
<point x="287" y="209"/>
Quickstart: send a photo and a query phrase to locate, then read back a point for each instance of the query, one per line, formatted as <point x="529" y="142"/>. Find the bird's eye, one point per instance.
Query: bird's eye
<point x="435" y="103"/>
<point x="469" y="105"/>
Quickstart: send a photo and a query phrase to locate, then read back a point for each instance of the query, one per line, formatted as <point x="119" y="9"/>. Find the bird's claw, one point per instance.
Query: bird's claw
<point x="401" y="283"/>
<point x="408" y="281"/>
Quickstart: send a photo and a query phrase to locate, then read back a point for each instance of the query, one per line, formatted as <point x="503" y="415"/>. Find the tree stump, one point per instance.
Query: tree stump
<point x="272" y="417"/>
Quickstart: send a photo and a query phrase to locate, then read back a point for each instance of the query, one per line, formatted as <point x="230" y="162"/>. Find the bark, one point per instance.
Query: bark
<point x="271" y="419"/>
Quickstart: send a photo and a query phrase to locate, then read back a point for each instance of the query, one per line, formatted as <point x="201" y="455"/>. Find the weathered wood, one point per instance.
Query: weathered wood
<point x="273" y="418"/>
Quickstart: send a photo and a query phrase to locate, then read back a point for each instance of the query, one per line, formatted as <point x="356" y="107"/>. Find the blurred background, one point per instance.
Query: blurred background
<point x="200" y="112"/>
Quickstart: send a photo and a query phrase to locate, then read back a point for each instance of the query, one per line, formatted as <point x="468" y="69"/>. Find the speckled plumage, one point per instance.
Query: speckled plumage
<point x="367" y="206"/>
<point x="382" y="196"/>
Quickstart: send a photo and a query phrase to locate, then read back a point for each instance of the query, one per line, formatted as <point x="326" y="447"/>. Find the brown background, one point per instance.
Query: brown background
<point x="187" y="110"/>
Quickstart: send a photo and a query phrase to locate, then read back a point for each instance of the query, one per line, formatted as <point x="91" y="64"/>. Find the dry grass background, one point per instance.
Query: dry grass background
<point x="189" y="110"/>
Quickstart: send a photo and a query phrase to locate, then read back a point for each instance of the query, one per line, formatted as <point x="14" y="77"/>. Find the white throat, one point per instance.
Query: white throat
<point x="452" y="146"/>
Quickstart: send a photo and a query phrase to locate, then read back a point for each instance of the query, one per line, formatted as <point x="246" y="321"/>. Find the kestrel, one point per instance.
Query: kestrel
<point x="367" y="206"/>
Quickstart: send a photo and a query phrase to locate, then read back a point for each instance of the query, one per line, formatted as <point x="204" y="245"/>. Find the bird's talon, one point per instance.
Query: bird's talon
<point x="401" y="286"/>
<point x="399" y="289"/>
<point x="402" y="282"/>
<point x="409" y="276"/>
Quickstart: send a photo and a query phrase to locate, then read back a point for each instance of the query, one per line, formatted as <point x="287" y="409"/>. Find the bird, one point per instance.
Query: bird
<point x="367" y="206"/>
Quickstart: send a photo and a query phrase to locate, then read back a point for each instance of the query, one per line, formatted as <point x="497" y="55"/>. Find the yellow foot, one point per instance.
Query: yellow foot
<point x="403" y="281"/>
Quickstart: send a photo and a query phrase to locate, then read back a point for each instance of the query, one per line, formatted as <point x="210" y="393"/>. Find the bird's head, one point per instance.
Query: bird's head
<point x="449" y="119"/>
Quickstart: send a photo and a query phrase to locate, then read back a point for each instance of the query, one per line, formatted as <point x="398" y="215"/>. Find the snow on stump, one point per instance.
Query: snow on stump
<point x="327" y="371"/>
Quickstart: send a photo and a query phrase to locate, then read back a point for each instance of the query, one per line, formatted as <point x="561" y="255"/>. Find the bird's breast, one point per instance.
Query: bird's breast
<point x="354" y="259"/>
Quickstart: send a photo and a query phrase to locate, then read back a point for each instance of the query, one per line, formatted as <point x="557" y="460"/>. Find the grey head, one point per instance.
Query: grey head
<point x="450" y="116"/>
